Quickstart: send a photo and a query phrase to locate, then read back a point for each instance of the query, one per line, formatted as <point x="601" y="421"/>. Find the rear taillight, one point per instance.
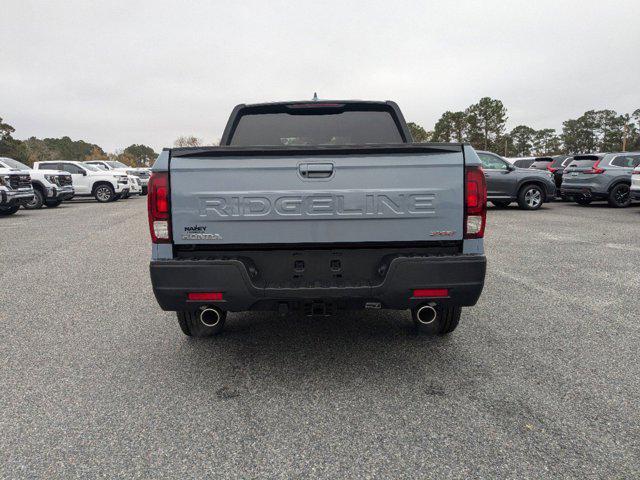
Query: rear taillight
<point x="158" y="206"/>
<point x="595" y="169"/>
<point x="635" y="172"/>
<point x="475" y="202"/>
<point x="551" y="169"/>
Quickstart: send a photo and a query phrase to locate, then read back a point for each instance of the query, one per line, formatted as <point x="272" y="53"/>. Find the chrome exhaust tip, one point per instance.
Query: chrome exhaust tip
<point x="426" y="314"/>
<point x="210" y="316"/>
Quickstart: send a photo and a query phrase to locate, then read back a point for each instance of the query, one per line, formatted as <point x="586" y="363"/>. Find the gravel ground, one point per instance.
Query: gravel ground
<point x="540" y="379"/>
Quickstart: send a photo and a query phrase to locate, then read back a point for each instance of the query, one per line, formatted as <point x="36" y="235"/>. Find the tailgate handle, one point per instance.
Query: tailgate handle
<point x="316" y="170"/>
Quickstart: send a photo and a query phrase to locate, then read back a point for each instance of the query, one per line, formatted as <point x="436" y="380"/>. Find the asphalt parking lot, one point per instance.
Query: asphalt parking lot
<point x="540" y="379"/>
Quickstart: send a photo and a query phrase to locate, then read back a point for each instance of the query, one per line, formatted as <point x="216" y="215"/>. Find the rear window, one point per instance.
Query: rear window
<point x="523" y="163"/>
<point x="583" y="163"/>
<point x="541" y="164"/>
<point x="316" y="126"/>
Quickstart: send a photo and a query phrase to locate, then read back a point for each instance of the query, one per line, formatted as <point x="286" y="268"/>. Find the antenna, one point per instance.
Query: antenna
<point x="315" y="97"/>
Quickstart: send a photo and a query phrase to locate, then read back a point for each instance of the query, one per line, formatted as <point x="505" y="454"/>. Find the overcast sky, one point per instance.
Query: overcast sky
<point x="117" y="73"/>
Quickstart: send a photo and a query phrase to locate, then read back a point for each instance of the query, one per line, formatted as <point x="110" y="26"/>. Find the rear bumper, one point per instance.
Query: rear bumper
<point x="585" y="191"/>
<point x="462" y="275"/>
<point x="594" y="186"/>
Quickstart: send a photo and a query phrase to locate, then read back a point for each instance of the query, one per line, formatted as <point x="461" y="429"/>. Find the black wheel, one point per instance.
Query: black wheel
<point x="530" y="197"/>
<point x="52" y="203"/>
<point x="620" y="196"/>
<point x="501" y="203"/>
<point x="582" y="200"/>
<point x="201" y="323"/>
<point x="144" y="191"/>
<point x="36" y="203"/>
<point x="436" y="320"/>
<point x="5" y="210"/>
<point x="104" y="193"/>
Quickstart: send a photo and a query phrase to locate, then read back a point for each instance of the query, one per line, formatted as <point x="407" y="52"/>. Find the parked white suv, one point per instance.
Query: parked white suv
<point x="142" y="174"/>
<point x="635" y="183"/>
<point x="89" y="180"/>
<point x="50" y="188"/>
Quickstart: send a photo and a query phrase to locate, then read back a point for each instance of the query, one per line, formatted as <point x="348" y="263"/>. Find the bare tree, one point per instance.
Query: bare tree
<point x="187" y="141"/>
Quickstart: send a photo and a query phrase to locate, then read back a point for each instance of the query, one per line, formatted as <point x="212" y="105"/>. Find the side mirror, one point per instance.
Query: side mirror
<point x="511" y="168"/>
<point x="84" y="174"/>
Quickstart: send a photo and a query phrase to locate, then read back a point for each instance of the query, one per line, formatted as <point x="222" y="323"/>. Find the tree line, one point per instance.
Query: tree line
<point x="483" y="125"/>
<point x="37" y="150"/>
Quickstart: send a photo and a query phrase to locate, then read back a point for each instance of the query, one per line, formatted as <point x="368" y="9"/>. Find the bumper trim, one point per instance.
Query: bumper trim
<point x="17" y="196"/>
<point x="463" y="275"/>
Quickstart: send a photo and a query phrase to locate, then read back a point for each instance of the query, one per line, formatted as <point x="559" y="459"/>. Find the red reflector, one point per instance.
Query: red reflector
<point x="431" y="292"/>
<point x="205" y="296"/>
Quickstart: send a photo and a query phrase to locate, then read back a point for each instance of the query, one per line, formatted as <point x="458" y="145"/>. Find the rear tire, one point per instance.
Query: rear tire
<point x="36" y="203"/>
<point x="584" y="200"/>
<point x="5" y="211"/>
<point x="530" y="197"/>
<point x="446" y="321"/>
<point x="53" y="203"/>
<point x="620" y="196"/>
<point x="104" y="193"/>
<point x="191" y="325"/>
<point x="501" y="203"/>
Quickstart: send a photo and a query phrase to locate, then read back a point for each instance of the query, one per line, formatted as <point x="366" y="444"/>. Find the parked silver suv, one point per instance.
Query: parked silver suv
<point x="603" y="176"/>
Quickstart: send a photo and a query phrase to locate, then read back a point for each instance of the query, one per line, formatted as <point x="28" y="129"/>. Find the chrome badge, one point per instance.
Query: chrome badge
<point x="443" y="233"/>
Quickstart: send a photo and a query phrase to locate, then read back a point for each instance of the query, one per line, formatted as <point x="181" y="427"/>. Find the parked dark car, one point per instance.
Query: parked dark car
<point x="507" y="183"/>
<point x="602" y="176"/>
<point x="557" y="167"/>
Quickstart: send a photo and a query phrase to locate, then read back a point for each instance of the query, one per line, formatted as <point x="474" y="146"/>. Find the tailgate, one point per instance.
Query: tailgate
<point x="225" y="196"/>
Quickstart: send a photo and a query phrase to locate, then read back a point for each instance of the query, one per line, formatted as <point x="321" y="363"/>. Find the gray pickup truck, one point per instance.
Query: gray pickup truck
<point x="317" y="207"/>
